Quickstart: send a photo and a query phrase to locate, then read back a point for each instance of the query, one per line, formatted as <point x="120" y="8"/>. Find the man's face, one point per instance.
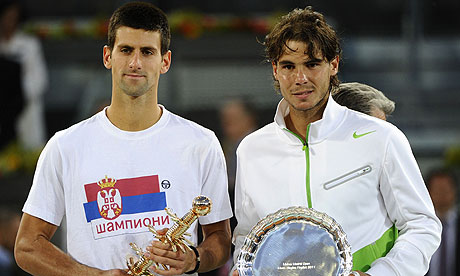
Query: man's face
<point x="9" y="20"/>
<point x="236" y="121"/>
<point x="304" y="81"/>
<point x="442" y="192"/>
<point x="136" y="61"/>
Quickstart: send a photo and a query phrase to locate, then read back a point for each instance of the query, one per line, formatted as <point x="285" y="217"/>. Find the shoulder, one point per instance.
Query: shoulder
<point x="79" y="130"/>
<point x="66" y="140"/>
<point x="25" y="40"/>
<point x="264" y="135"/>
<point x="359" y="123"/>
<point x="187" y="129"/>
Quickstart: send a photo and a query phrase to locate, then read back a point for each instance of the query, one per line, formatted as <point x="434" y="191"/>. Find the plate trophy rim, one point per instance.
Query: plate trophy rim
<point x="293" y="214"/>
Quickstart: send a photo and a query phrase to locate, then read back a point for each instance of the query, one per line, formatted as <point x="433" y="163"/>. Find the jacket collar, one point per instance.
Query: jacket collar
<point x="333" y="116"/>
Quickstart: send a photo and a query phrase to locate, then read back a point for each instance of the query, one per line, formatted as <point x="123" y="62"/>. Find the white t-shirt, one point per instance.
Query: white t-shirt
<point x="110" y="184"/>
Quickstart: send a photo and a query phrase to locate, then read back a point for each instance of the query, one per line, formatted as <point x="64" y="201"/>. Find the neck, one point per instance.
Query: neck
<point x="297" y="121"/>
<point x="135" y="114"/>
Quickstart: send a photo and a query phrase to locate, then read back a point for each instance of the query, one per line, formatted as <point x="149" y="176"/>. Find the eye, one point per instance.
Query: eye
<point x="147" y="52"/>
<point x="288" y="67"/>
<point x="125" y="50"/>
<point x="312" y="65"/>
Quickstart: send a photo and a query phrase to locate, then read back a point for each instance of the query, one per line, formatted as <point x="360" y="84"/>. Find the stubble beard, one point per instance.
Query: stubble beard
<point x="134" y="90"/>
<point x="317" y="106"/>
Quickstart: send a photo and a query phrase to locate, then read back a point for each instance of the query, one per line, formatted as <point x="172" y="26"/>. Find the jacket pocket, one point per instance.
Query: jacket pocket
<point x="347" y="177"/>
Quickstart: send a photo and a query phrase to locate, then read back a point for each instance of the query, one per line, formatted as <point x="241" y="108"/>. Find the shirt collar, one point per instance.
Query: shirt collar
<point x="333" y="116"/>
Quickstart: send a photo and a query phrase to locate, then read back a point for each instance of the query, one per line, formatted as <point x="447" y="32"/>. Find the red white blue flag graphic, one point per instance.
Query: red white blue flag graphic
<point x="124" y="205"/>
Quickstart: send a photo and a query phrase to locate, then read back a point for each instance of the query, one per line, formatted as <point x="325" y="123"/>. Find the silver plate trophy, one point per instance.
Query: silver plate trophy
<point x="295" y="241"/>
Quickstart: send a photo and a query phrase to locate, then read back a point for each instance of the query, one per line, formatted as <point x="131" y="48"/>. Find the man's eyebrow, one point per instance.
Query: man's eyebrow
<point x="144" y="48"/>
<point x="285" y="62"/>
<point x="288" y="62"/>
<point x="314" y="60"/>
<point x="125" y="46"/>
<point x="148" y="48"/>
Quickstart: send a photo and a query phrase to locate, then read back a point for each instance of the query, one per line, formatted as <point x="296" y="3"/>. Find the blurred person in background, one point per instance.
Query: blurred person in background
<point x="25" y="50"/>
<point x="442" y="186"/>
<point x="13" y="103"/>
<point x="103" y="174"/>
<point x="9" y="224"/>
<point x="238" y="118"/>
<point x="364" y="98"/>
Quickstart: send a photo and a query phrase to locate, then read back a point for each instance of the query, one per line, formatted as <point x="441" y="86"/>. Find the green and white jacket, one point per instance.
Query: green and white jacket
<point x="358" y="169"/>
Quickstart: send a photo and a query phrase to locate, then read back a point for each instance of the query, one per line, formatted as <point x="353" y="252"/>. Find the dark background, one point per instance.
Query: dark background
<point x="409" y="49"/>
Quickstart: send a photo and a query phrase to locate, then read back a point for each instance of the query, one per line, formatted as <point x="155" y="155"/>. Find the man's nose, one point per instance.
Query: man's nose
<point x="301" y="76"/>
<point x="135" y="62"/>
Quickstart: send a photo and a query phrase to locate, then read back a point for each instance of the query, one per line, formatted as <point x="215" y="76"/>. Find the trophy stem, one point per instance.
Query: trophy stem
<point x="174" y="236"/>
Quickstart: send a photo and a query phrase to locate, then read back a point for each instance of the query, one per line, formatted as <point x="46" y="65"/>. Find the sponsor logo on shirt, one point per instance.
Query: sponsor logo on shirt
<point x="356" y="135"/>
<point x="122" y="206"/>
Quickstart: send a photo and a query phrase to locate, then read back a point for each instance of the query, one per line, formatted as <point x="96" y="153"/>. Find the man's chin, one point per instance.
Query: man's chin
<point x="302" y="106"/>
<point x="133" y="92"/>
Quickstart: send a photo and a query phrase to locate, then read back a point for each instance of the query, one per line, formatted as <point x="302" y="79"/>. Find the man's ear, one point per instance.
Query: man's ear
<point x="275" y="70"/>
<point x="335" y="66"/>
<point x="166" y="62"/>
<point x="107" y="57"/>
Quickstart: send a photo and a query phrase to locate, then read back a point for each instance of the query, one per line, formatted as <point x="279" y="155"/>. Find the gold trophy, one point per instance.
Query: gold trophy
<point x="201" y="206"/>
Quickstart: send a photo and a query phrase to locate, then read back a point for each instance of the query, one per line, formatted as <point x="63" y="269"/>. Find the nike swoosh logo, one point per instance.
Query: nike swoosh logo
<point x="361" y="135"/>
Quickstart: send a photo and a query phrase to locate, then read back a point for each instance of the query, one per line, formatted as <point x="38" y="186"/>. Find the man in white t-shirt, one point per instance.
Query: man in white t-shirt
<point x="113" y="174"/>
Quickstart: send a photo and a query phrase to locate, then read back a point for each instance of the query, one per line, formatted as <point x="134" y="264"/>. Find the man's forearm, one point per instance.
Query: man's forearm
<point x="215" y="248"/>
<point x="41" y="257"/>
<point x="35" y="253"/>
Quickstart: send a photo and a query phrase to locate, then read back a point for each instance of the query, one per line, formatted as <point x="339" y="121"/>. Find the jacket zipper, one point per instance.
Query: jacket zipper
<point x="307" y="162"/>
<point x="347" y="177"/>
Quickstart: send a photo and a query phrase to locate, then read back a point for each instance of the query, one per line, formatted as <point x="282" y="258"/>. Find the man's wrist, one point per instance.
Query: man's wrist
<point x="197" y="260"/>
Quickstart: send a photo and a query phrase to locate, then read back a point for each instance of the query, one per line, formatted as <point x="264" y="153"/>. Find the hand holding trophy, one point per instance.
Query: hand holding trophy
<point x="201" y="206"/>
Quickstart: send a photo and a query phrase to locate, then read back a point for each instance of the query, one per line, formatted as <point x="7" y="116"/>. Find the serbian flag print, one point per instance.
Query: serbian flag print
<point x="120" y="206"/>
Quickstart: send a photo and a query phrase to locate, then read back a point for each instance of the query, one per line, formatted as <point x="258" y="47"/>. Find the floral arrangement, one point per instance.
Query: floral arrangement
<point x="452" y="156"/>
<point x="189" y="24"/>
<point x="16" y="159"/>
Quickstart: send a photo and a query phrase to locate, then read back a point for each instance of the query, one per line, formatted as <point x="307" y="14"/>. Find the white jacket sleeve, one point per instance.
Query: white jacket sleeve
<point x="245" y="212"/>
<point x="410" y="208"/>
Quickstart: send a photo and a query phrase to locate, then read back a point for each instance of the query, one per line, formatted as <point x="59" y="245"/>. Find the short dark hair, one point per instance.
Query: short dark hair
<point x="309" y="27"/>
<point x="140" y="15"/>
<point x="362" y="98"/>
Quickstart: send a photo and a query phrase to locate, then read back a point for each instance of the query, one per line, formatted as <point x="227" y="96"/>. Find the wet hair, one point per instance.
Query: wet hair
<point x="362" y="98"/>
<point x="309" y="27"/>
<point x="140" y="15"/>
